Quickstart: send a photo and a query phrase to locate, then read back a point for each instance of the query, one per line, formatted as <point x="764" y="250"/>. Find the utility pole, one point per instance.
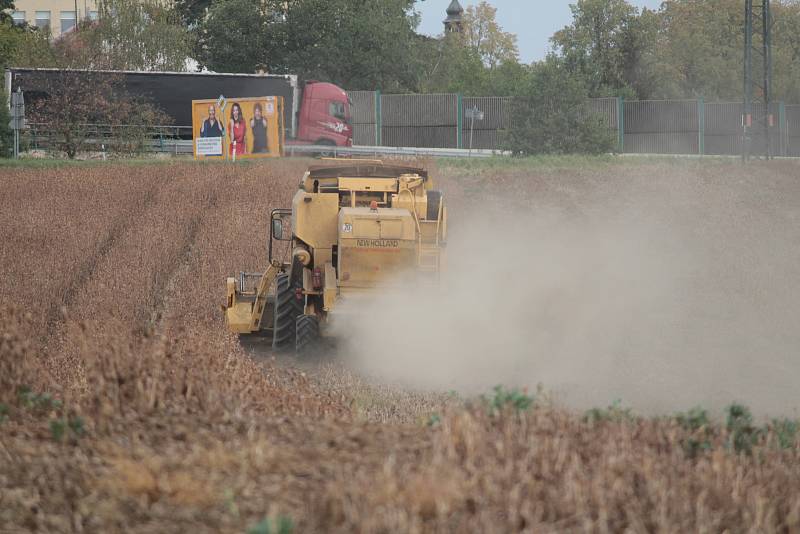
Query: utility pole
<point x="757" y="117"/>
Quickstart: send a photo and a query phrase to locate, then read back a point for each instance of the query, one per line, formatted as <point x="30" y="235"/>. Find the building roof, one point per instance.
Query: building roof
<point x="454" y="9"/>
<point x="453" y="21"/>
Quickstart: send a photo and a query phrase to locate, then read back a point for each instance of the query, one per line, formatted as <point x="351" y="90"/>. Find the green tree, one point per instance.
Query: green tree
<point x="786" y="51"/>
<point x="701" y="46"/>
<point x="34" y="49"/>
<point x="192" y="12"/>
<point x="10" y="37"/>
<point x="133" y="35"/>
<point x="6" y="7"/>
<point x="76" y="102"/>
<point x="552" y="115"/>
<point x="6" y="133"/>
<point x="233" y="37"/>
<point x="82" y="106"/>
<point x="508" y="79"/>
<point x="482" y="34"/>
<point x="450" y="67"/>
<point x="358" y="44"/>
<point x="481" y="60"/>
<point x="604" y="44"/>
<point x="700" y="49"/>
<point x="686" y="49"/>
<point x="639" y="66"/>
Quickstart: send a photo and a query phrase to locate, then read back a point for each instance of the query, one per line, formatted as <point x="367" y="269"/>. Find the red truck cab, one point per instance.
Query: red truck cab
<point x="324" y="116"/>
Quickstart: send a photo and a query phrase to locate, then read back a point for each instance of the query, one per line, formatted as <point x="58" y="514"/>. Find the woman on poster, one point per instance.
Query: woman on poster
<point x="258" y="124"/>
<point x="238" y="131"/>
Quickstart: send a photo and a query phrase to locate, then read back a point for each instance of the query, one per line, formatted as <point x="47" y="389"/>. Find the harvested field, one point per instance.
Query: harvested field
<point x="124" y="406"/>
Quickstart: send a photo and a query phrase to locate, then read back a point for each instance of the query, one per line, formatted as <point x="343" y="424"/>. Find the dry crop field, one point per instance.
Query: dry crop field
<point x="125" y="407"/>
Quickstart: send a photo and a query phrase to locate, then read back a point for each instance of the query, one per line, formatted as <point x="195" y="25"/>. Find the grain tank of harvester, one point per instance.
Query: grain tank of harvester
<point x="360" y="229"/>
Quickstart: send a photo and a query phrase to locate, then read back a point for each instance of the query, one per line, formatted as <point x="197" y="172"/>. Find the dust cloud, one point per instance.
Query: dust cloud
<point x="660" y="288"/>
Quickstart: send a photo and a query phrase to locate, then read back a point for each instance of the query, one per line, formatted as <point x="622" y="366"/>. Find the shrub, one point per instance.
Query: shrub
<point x="59" y="427"/>
<point x="6" y="133"/>
<point x="785" y="431"/>
<point x="553" y="117"/>
<point x="698" y="424"/>
<point x="283" y="525"/>
<point x="613" y="412"/>
<point x="742" y="434"/>
<point x="37" y="401"/>
<point x="502" y="398"/>
<point x="105" y="108"/>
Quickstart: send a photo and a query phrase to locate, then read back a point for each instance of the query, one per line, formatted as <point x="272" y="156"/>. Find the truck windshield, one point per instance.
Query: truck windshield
<point x="338" y="110"/>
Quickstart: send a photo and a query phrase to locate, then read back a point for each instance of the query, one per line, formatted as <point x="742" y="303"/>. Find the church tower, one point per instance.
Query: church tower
<point x="453" y="21"/>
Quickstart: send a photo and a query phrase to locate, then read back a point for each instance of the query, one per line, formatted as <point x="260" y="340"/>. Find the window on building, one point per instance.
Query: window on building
<point x="19" y="17"/>
<point x="42" y="19"/>
<point x="67" y="21"/>
<point x="92" y="15"/>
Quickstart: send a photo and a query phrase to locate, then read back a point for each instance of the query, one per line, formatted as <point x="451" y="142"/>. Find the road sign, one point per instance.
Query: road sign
<point x="221" y="102"/>
<point x="17" y="111"/>
<point x="17" y="117"/>
<point x="473" y="114"/>
<point x="17" y="104"/>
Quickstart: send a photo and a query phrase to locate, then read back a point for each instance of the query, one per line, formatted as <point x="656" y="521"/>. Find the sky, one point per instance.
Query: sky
<point x="534" y="21"/>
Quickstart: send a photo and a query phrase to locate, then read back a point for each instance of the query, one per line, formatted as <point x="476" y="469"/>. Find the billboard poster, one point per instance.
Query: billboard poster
<point x="237" y="128"/>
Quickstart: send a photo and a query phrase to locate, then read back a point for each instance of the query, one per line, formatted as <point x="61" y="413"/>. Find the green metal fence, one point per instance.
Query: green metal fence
<point x="692" y="127"/>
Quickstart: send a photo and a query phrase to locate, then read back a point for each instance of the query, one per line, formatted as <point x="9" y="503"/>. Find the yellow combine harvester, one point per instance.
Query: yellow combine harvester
<point x="356" y="229"/>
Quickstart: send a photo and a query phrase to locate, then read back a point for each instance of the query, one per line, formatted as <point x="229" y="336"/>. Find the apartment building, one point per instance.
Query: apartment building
<point x="59" y="15"/>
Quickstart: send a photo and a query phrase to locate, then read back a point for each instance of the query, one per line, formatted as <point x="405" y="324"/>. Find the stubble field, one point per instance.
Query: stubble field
<point x="125" y="406"/>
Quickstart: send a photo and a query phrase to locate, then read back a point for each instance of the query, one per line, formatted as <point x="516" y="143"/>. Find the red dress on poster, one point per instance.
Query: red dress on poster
<point x="237" y="134"/>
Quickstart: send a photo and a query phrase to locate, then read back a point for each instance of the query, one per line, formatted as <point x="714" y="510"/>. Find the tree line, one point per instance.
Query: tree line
<point x="683" y="49"/>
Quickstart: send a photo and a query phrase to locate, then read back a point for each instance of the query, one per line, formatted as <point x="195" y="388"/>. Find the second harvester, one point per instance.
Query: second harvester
<point x="359" y="229"/>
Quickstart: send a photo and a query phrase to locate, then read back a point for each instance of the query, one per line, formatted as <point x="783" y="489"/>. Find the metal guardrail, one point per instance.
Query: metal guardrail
<point x="392" y="151"/>
<point x="171" y="140"/>
<point x="172" y="146"/>
<point x="184" y="146"/>
<point x="100" y="137"/>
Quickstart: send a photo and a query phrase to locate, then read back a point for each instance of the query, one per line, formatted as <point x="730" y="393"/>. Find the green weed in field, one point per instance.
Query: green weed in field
<point x="743" y="435"/>
<point x="697" y="422"/>
<point x="613" y="412"/>
<point x="60" y="426"/>
<point x="502" y="398"/>
<point x="786" y="432"/>
<point x="37" y="401"/>
<point x="283" y="525"/>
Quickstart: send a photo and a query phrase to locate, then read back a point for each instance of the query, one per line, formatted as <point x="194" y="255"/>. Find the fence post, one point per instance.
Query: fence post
<point x="621" y="123"/>
<point x="782" y="127"/>
<point x="378" y="119"/>
<point x="460" y="122"/>
<point x="701" y="126"/>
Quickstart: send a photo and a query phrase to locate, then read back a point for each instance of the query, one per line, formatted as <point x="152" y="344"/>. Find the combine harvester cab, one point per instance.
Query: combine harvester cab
<point x="357" y="230"/>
